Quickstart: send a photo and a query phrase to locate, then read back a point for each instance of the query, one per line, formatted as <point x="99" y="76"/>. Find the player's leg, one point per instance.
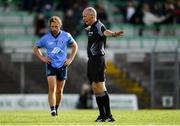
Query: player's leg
<point x="61" y="79"/>
<point x="51" y="77"/>
<point x="52" y="93"/>
<point x="59" y="93"/>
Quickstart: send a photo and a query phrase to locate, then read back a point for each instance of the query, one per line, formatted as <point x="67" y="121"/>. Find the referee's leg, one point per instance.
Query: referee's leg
<point x="103" y="101"/>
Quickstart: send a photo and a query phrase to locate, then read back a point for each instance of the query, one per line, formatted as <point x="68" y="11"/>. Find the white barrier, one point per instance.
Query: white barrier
<point x="40" y="101"/>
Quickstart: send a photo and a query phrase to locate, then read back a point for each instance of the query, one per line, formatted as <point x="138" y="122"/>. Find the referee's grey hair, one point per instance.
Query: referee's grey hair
<point x="55" y="19"/>
<point x="92" y="11"/>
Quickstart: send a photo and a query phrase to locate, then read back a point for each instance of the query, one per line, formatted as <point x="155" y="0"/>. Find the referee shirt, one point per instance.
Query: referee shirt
<point x="96" y="40"/>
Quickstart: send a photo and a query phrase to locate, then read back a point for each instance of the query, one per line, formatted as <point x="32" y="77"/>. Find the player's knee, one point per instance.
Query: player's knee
<point x="98" y="90"/>
<point x="52" y="90"/>
<point x="59" y="92"/>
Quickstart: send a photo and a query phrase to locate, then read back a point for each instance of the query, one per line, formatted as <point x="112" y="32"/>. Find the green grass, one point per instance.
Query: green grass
<point x="87" y="117"/>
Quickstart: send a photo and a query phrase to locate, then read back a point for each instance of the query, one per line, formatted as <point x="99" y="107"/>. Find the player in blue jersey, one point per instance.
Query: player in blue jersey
<point x="56" y="42"/>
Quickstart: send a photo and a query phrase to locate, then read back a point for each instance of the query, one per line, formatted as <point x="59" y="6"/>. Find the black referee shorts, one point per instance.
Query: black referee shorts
<point x="96" y="68"/>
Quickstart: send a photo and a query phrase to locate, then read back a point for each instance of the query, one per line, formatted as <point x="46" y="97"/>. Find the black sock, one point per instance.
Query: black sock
<point x="100" y="105"/>
<point x="106" y="103"/>
<point x="56" y="107"/>
<point x="52" y="108"/>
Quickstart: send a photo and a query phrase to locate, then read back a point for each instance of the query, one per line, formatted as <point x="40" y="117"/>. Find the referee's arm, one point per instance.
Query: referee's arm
<point x="113" y="34"/>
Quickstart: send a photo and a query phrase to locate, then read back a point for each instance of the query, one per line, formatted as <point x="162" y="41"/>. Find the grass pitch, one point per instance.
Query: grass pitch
<point x="87" y="117"/>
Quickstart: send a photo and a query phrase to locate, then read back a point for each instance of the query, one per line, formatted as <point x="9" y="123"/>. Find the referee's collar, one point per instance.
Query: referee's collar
<point x="94" y="23"/>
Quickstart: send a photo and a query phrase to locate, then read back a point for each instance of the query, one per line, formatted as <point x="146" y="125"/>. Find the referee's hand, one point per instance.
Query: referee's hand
<point x="119" y="33"/>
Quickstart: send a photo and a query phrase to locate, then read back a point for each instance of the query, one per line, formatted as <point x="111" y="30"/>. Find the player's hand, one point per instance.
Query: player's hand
<point x="46" y="59"/>
<point x="119" y="33"/>
<point x="68" y="62"/>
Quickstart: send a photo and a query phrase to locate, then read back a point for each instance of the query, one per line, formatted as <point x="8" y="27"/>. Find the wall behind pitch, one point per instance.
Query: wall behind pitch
<point x="40" y="101"/>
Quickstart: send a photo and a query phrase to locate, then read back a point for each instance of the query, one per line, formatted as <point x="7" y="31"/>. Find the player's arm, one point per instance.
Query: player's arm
<point x="113" y="34"/>
<point x="74" y="48"/>
<point x="38" y="53"/>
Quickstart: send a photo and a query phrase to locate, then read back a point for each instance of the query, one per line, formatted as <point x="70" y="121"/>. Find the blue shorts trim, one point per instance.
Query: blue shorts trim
<point x="60" y="73"/>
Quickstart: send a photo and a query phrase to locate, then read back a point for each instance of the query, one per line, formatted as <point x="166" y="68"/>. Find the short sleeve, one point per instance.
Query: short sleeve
<point x="100" y="28"/>
<point x="103" y="28"/>
<point x="70" y="39"/>
<point x="40" y="43"/>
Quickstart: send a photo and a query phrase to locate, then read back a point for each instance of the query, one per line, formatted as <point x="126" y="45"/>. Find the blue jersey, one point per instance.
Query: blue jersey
<point x="56" y="47"/>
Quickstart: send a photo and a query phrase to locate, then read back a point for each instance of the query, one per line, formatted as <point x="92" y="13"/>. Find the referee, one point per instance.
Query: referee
<point x="97" y="34"/>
